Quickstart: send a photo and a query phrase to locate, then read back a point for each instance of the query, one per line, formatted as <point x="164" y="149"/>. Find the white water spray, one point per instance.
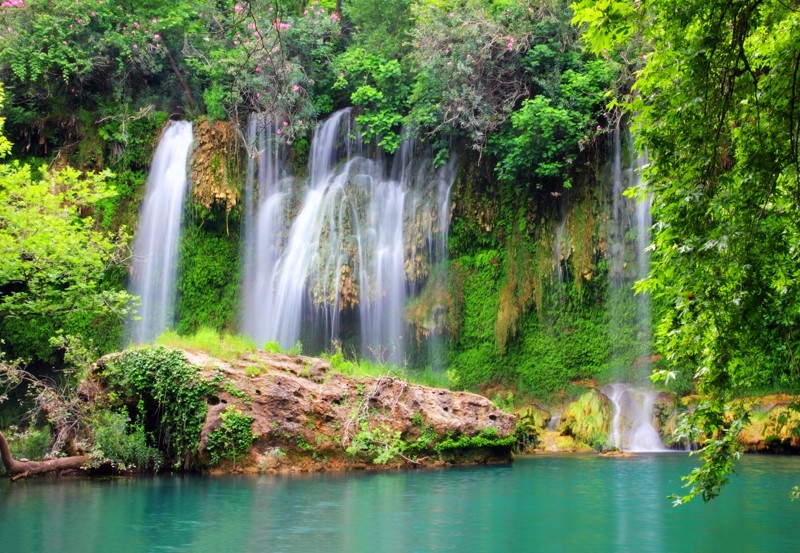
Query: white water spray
<point x="345" y="246"/>
<point x="632" y="428"/>
<point x="155" y="248"/>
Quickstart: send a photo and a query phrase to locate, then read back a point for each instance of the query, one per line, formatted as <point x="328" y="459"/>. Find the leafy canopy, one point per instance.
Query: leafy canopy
<point x="716" y="105"/>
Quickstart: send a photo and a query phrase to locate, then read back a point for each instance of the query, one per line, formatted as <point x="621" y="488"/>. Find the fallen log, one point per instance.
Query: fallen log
<point x="23" y="469"/>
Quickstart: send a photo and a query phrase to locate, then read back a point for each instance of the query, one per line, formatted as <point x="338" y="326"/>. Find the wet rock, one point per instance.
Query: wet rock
<point x="589" y="418"/>
<point x="300" y="406"/>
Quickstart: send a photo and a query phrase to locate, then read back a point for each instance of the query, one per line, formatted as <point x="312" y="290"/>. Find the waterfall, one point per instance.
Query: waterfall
<point x="628" y="253"/>
<point x="339" y="253"/>
<point x="266" y="193"/>
<point x="155" y="248"/>
<point x="632" y="428"/>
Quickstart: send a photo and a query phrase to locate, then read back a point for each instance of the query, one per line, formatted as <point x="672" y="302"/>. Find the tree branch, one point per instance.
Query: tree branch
<point x="23" y="469"/>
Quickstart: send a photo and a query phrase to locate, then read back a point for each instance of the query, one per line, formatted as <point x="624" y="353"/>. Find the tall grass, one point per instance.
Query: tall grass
<point x="229" y="347"/>
<point x="223" y="346"/>
<point x="367" y="368"/>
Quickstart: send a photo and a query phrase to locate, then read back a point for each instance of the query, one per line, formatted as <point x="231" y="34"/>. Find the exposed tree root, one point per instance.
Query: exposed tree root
<point x="23" y="469"/>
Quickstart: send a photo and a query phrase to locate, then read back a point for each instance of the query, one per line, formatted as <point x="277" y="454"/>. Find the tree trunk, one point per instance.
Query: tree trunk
<point x="22" y="469"/>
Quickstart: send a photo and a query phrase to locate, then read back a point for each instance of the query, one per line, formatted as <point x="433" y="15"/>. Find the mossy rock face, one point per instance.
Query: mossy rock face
<point x="589" y="419"/>
<point x="215" y="179"/>
<point x="772" y="425"/>
<point x="663" y="411"/>
<point x="553" y="442"/>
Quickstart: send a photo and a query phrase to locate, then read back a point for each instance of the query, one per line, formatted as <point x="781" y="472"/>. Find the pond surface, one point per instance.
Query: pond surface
<point x="545" y="503"/>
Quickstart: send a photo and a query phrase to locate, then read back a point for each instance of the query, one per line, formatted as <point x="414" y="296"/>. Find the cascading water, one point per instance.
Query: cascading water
<point x="155" y="248"/>
<point x="628" y="248"/>
<point x="632" y="428"/>
<point x="346" y="246"/>
<point x="629" y="260"/>
<point x="266" y="194"/>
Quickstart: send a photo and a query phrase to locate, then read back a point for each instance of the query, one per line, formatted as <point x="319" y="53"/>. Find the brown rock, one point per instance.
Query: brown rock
<point x="310" y="413"/>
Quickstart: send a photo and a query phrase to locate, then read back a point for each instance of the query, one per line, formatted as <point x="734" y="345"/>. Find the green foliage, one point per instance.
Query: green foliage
<point x="169" y="398"/>
<point x="208" y="281"/>
<point x="380" y="26"/>
<point x="548" y="132"/>
<point x="132" y="138"/>
<point x="486" y="438"/>
<point x="233" y="437"/>
<point x="589" y="419"/>
<point x="227" y="347"/>
<point x="53" y="262"/>
<point x="31" y="443"/>
<point x="381" y="444"/>
<point x="125" y="445"/>
<point x="272" y="347"/>
<point x="720" y="425"/>
<point x="712" y="100"/>
<point x="379" y="86"/>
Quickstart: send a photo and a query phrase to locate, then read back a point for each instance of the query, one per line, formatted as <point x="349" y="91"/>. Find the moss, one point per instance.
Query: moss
<point x="582" y="224"/>
<point x="438" y="308"/>
<point x="208" y="281"/>
<point x="588" y="419"/>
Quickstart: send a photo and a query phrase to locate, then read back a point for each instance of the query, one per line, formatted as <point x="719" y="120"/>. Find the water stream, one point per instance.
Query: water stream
<point x="337" y="254"/>
<point x="155" y="247"/>
<point x="632" y="426"/>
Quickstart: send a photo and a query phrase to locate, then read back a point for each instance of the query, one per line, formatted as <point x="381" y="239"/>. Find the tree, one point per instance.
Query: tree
<point x="53" y="261"/>
<point x="717" y="105"/>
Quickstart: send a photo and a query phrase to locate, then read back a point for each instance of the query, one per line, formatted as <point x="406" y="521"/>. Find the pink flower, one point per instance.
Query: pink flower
<point x="156" y="36"/>
<point x="295" y="88"/>
<point x="64" y="42"/>
<point x="258" y="70"/>
<point x="285" y="123"/>
<point x="238" y="9"/>
<point x="278" y="131"/>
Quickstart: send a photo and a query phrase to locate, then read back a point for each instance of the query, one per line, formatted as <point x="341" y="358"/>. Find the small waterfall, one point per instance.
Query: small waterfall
<point x="342" y="251"/>
<point x="632" y="428"/>
<point x="266" y="194"/>
<point x="155" y="247"/>
<point x="628" y="253"/>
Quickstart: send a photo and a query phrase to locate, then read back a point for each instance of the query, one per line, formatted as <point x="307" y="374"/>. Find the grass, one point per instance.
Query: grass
<point x="233" y="346"/>
<point x="367" y="368"/>
<point x="223" y="346"/>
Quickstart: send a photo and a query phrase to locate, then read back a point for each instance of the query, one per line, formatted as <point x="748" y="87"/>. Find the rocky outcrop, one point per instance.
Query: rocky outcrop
<point x="306" y="416"/>
<point x="773" y="424"/>
<point x="588" y="418"/>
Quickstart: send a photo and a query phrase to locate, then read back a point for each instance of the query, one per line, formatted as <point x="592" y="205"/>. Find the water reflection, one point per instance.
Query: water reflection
<point x="575" y="503"/>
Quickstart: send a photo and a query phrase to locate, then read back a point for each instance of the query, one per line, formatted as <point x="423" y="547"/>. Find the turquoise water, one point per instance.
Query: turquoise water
<point x="546" y="503"/>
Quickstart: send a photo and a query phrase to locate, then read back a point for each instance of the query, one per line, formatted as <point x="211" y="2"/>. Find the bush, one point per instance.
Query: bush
<point x="234" y="437"/>
<point x="124" y="445"/>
